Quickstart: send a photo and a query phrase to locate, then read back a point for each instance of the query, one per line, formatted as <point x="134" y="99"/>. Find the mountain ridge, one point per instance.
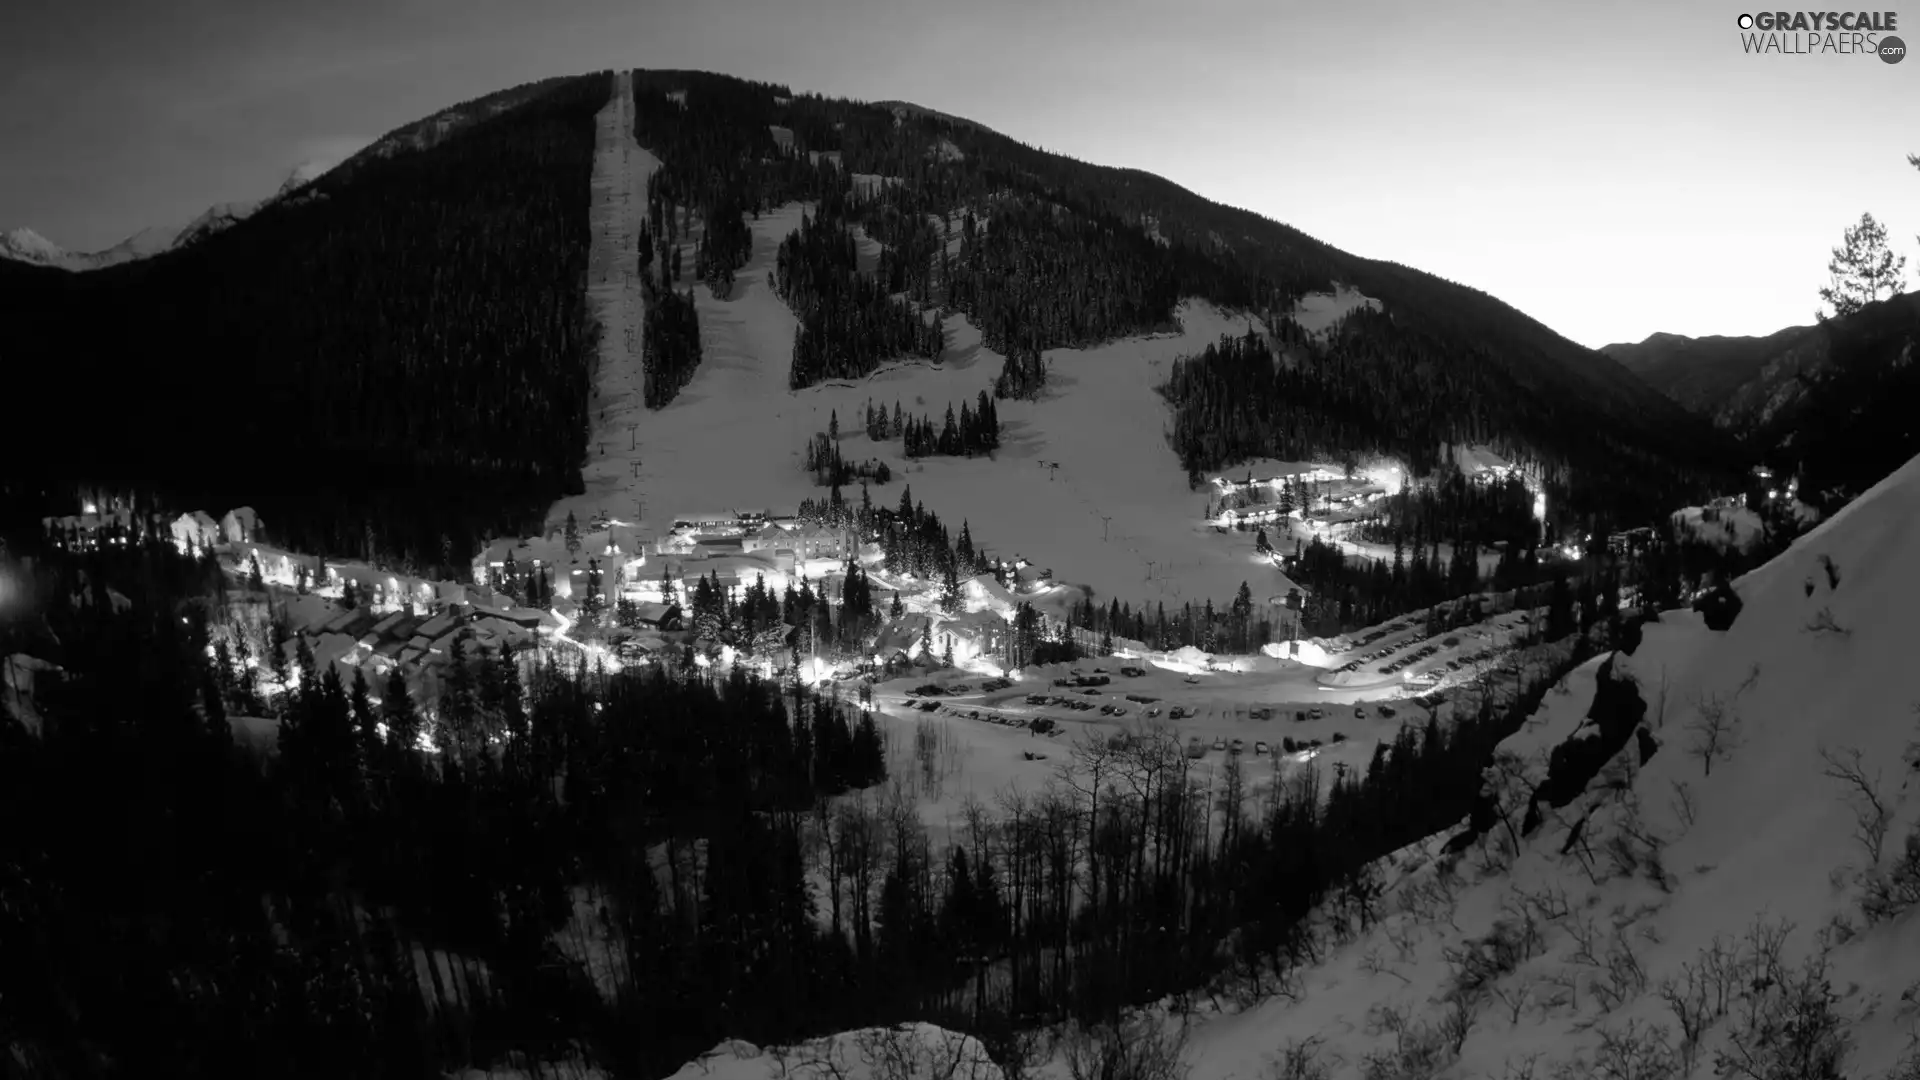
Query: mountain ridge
<point x="24" y="244"/>
<point x="1701" y="372"/>
<point x="1067" y="255"/>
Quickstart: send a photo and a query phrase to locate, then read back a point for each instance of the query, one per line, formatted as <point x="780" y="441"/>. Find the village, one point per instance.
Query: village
<point x="605" y="592"/>
<point x="611" y="593"/>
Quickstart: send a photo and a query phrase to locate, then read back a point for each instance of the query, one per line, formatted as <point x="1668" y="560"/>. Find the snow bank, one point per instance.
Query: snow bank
<point x="908" y="1052"/>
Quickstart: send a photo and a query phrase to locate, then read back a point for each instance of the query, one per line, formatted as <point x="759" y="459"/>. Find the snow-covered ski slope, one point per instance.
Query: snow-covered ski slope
<point x="619" y="193"/>
<point x="1084" y="483"/>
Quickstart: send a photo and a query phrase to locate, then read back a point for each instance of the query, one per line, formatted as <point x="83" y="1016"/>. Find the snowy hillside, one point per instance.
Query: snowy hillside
<point x="1085" y="480"/>
<point x="1730" y="893"/>
<point x="908" y="1052"/>
<point x="1684" y="912"/>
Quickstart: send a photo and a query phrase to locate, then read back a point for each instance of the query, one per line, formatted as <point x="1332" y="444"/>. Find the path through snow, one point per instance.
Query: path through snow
<point x="621" y="169"/>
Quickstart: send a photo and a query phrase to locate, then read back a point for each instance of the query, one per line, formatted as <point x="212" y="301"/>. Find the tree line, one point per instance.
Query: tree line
<point x="670" y="330"/>
<point x="849" y="323"/>
<point x="1237" y="401"/>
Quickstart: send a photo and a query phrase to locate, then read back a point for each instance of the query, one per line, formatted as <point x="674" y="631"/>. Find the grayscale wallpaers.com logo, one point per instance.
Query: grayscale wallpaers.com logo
<point x="1806" y="33"/>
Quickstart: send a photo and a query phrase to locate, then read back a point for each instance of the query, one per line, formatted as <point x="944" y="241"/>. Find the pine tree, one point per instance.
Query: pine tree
<point x="403" y="722"/>
<point x="360" y="706"/>
<point x="1863" y="268"/>
<point x="573" y="537"/>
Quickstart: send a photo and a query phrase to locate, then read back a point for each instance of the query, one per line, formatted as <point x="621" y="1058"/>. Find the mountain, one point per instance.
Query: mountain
<point x="1834" y="407"/>
<point x="25" y="245"/>
<point x="813" y="244"/>
<point x="1702" y="373"/>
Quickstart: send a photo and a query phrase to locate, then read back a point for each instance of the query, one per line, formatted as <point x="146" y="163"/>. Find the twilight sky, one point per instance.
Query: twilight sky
<point x="1610" y="174"/>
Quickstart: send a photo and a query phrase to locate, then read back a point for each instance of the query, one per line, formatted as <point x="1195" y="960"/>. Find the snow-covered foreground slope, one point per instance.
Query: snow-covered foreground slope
<point x="908" y="1052"/>
<point x="1701" y="885"/>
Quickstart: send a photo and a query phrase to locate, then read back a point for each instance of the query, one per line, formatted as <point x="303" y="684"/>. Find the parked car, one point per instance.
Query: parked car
<point x="1239" y="745"/>
<point x="1359" y="713"/>
<point x="1258" y="714"/>
<point x="1132" y="672"/>
<point x="959" y="688"/>
<point x="1259" y="748"/>
<point x="1219" y="744"/>
<point x="1154" y="711"/>
<point x="1196" y="748"/>
<point x="1119" y="710"/>
<point x="1316" y="714"/>
<point x="1386" y="711"/>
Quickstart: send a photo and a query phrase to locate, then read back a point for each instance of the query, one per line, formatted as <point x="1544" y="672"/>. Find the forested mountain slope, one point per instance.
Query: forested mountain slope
<point x="1836" y="407"/>
<point x="1054" y="252"/>
<point x="389" y="366"/>
<point x="1701" y="373"/>
<point x="399" y="365"/>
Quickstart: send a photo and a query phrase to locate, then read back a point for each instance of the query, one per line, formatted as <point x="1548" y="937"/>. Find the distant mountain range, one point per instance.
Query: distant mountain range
<point x="25" y="245"/>
<point x="1702" y="373"/>
<point x="1746" y="384"/>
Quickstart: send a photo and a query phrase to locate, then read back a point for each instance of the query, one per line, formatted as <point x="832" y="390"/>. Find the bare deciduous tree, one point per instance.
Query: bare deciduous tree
<point x="1634" y="1051"/>
<point x="1871" y="816"/>
<point x="1683" y="804"/>
<point x="1300" y="1059"/>
<point x="1139" y="1048"/>
<point x="1715" y="731"/>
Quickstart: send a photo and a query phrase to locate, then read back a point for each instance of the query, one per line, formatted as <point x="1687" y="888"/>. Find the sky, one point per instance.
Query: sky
<point x="1610" y="172"/>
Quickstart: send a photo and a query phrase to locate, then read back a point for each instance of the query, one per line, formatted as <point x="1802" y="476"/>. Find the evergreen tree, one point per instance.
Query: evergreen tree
<point x="1864" y="269"/>
<point x="403" y="723"/>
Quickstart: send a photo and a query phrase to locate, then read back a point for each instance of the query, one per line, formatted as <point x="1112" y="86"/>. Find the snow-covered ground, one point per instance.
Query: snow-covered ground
<point x="1728" y="526"/>
<point x="908" y="1052"/>
<point x="983" y="745"/>
<point x="1317" y="313"/>
<point x="1767" y="836"/>
<point x="1696" y="889"/>
<point x="1084" y="482"/>
<point x="621" y="169"/>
